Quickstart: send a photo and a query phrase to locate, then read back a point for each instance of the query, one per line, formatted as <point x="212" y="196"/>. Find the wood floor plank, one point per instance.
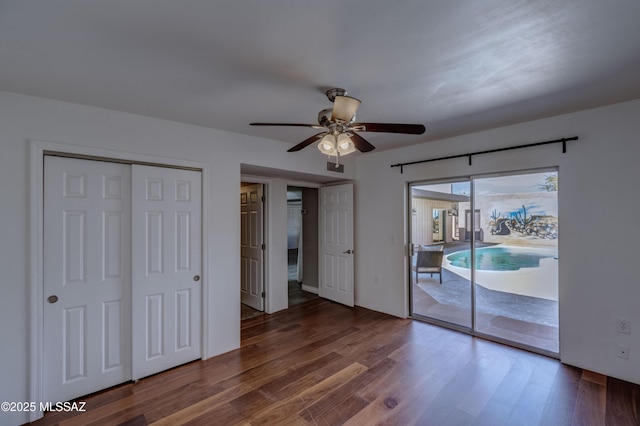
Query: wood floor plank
<point x="590" y="404"/>
<point x="281" y="410"/>
<point x="406" y="394"/>
<point x="483" y="383"/>
<point x="241" y="392"/>
<point x="561" y="403"/>
<point x="316" y="410"/>
<point x="339" y="414"/>
<point x="530" y="405"/>
<point x="321" y="363"/>
<point x="623" y="403"/>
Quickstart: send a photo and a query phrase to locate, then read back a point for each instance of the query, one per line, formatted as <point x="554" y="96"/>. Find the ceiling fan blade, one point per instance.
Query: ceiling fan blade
<point x="344" y="108"/>
<point x="307" y="142"/>
<point x="361" y="143"/>
<point x="411" y="129"/>
<point x="314" y="126"/>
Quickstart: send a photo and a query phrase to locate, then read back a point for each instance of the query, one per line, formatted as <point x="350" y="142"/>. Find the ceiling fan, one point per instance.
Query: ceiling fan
<point x="338" y="136"/>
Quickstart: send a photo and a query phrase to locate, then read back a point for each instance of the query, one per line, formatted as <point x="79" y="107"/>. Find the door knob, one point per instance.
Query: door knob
<point x="52" y="299"/>
<point x="196" y="278"/>
<point x="347" y="252"/>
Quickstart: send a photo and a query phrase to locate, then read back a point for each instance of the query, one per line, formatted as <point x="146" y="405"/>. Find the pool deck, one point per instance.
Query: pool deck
<point x="521" y="318"/>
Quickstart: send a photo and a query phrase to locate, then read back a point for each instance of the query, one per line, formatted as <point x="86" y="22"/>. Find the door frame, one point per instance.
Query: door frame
<point x="263" y="224"/>
<point x="275" y="288"/>
<point x="38" y="149"/>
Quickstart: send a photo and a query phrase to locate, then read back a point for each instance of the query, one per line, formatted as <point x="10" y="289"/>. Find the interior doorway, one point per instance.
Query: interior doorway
<point x="286" y="274"/>
<point x="252" y="249"/>
<point x="302" y="244"/>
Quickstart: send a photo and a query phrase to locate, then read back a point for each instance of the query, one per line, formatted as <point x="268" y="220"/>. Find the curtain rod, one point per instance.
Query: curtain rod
<point x="563" y="141"/>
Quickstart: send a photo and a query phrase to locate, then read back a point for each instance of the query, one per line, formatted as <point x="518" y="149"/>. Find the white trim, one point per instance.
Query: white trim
<point x="269" y="238"/>
<point x="263" y="179"/>
<point x="309" y="289"/>
<point x="254" y="179"/>
<point x="36" y="312"/>
<point x="266" y="258"/>
<point x="304" y="184"/>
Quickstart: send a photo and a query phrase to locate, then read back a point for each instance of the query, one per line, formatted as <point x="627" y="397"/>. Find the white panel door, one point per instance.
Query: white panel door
<point x="166" y="295"/>
<point x="251" y="243"/>
<point x="336" y="244"/>
<point x="87" y="278"/>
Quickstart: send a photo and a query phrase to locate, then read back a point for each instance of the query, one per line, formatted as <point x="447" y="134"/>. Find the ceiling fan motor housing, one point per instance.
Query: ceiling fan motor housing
<point x="332" y="93"/>
<point x="324" y="116"/>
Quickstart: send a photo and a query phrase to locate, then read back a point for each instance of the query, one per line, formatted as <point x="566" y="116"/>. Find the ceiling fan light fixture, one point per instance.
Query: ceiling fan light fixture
<point x="327" y="145"/>
<point x="333" y="145"/>
<point x="344" y="108"/>
<point x="345" y="144"/>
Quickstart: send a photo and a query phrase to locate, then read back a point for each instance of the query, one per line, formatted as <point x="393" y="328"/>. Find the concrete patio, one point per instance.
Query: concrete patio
<point x="532" y="321"/>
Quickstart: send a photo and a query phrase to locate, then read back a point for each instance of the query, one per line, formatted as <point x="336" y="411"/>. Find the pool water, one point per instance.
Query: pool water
<point x="501" y="258"/>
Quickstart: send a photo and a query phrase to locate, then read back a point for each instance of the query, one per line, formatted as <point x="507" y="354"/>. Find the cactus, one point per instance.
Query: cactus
<point x="522" y="219"/>
<point x="495" y="216"/>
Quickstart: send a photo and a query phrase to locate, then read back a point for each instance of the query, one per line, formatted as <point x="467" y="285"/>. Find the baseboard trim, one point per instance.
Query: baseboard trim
<point x="310" y="289"/>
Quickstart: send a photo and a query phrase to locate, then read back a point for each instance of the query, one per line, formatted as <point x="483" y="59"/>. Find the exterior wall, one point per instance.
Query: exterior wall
<point x="504" y="204"/>
<point x="422" y="220"/>
<point x="598" y="279"/>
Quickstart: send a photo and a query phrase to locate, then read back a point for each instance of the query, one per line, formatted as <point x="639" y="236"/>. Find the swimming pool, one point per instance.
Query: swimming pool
<point x="501" y="258"/>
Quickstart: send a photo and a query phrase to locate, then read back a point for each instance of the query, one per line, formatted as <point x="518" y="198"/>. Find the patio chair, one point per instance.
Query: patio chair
<point x="429" y="261"/>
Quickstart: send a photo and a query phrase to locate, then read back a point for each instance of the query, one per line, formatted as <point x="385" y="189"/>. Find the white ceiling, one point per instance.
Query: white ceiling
<point x="454" y="66"/>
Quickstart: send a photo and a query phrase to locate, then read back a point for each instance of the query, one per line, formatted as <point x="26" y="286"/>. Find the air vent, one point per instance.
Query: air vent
<point x="333" y="167"/>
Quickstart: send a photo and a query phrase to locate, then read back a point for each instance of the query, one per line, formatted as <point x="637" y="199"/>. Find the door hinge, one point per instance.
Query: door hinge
<point x="262" y="198"/>
<point x="264" y="247"/>
<point x="264" y="294"/>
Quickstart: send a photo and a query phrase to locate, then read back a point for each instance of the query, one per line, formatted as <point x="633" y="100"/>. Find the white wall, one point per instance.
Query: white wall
<point x="598" y="202"/>
<point x="24" y="118"/>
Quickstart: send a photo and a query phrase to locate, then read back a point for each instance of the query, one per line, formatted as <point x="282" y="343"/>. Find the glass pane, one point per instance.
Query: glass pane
<point x="438" y="229"/>
<point x="516" y="258"/>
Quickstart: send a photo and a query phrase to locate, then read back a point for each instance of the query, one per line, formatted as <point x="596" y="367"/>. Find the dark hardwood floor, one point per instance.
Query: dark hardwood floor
<point x="320" y="363"/>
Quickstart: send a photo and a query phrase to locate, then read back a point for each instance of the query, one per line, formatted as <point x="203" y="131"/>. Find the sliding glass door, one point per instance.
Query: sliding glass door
<point x="438" y="228"/>
<point x="516" y="268"/>
<point x="499" y="238"/>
